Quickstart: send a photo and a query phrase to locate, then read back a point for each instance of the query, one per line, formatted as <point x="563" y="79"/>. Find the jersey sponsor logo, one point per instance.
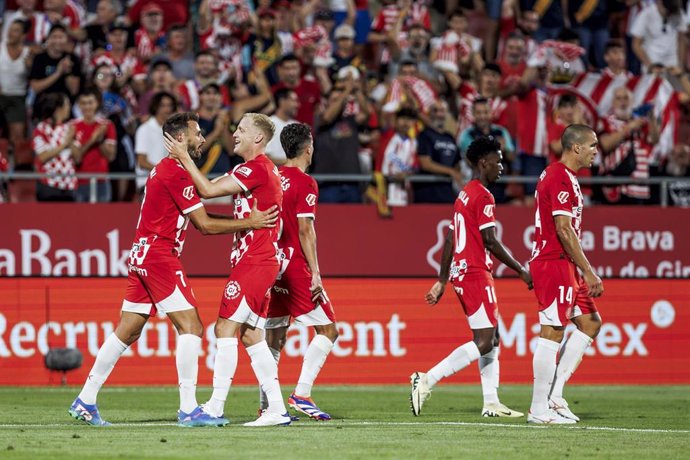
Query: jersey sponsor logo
<point x="311" y="199"/>
<point x="563" y="197"/>
<point x="188" y="192"/>
<point x="244" y="170"/>
<point x="281" y="290"/>
<point x="489" y="210"/>
<point x="232" y="290"/>
<point x="284" y="183"/>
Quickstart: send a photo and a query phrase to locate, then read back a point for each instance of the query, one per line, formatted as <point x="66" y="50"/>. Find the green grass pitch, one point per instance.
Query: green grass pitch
<point x="631" y="422"/>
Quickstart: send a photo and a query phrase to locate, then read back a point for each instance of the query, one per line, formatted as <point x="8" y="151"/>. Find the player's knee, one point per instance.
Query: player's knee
<point x="592" y="328"/>
<point x="329" y="330"/>
<point x="484" y="346"/>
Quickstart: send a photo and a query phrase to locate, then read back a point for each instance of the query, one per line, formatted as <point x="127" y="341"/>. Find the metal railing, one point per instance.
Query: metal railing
<point x="93" y="178"/>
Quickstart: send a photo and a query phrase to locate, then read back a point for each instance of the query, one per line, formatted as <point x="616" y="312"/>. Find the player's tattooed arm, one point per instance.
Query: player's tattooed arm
<point x="436" y="292"/>
<point x="494" y="245"/>
<point x="571" y="244"/>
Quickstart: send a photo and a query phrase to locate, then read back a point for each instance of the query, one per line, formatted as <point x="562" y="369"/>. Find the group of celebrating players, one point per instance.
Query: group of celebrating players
<point x="275" y="275"/>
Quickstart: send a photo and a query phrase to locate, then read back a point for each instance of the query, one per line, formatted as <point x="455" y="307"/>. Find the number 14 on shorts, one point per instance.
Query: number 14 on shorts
<point x="565" y="295"/>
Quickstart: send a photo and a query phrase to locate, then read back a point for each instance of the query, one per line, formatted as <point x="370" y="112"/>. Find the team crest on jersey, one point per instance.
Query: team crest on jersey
<point x="188" y="192"/>
<point x="311" y="199"/>
<point x="244" y="170"/>
<point x="563" y="197"/>
<point x="284" y="183"/>
<point x="232" y="290"/>
<point x="489" y="210"/>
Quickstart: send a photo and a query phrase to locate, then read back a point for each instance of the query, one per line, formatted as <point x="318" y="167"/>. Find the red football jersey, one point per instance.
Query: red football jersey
<point x="474" y="211"/>
<point x="169" y="197"/>
<point x="558" y="194"/>
<point x="260" y="181"/>
<point x="93" y="160"/>
<point x="300" y="194"/>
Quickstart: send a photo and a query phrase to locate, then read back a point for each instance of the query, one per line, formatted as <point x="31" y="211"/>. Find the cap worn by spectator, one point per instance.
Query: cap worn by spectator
<point x="150" y="8"/>
<point x="344" y="31"/>
<point x="263" y="12"/>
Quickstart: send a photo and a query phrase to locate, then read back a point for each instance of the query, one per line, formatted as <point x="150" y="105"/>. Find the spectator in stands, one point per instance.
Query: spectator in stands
<point x="482" y="127"/>
<point x="213" y="121"/>
<point x="26" y="12"/>
<point x="344" y="53"/>
<point x="590" y="19"/>
<point x="149" y="145"/>
<point x="51" y="141"/>
<point x="160" y="79"/>
<point x="627" y="140"/>
<point x="94" y="144"/>
<point x="514" y="60"/>
<point x="205" y="72"/>
<point x="437" y="153"/>
<point x="173" y="11"/>
<point x="244" y="100"/>
<point x="678" y="165"/>
<point x="552" y="18"/>
<point x="67" y="13"/>
<point x="488" y="88"/>
<point x="287" y="105"/>
<point x="150" y="38"/>
<point x="614" y="56"/>
<point x="263" y="47"/>
<point x="417" y="50"/>
<point x="182" y="60"/>
<point x="95" y="33"/>
<point x="15" y="60"/>
<point x="659" y="35"/>
<point x="399" y="156"/>
<point x="308" y="91"/>
<point x="568" y="112"/>
<point x="337" y="142"/>
<point x="127" y="67"/>
<point x="55" y="70"/>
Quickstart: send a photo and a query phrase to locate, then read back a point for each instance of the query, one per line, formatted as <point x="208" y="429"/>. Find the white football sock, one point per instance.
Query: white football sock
<point x="224" y="369"/>
<point x="571" y="357"/>
<point x="316" y="354"/>
<point x="263" y="402"/>
<point x="107" y="356"/>
<point x="544" y="366"/>
<point x="459" y="359"/>
<point x="266" y="371"/>
<point x="187" y="360"/>
<point x="489" y="370"/>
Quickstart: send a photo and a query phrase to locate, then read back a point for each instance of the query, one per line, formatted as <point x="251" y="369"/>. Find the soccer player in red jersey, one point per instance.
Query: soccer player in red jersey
<point x="298" y="292"/>
<point x="563" y="294"/>
<point x="467" y="263"/>
<point x="254" y="262"/>
<point x="157" y="280"/>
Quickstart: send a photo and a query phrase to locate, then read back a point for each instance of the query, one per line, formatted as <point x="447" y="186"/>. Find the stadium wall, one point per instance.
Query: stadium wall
<point x="386" y="332"/>
<point x="43" y="239"/>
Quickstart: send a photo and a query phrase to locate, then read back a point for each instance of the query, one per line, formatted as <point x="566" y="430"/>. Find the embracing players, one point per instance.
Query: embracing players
<point x="298" y="291"/>
<point x="157" y="280"/>
<point x="563" y="294"/>
<point x="466" y="262"/>
<point x="254" y="262"/>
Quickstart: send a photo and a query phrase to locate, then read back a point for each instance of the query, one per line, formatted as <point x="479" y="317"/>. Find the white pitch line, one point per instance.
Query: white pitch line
<point x="365" y="423"/>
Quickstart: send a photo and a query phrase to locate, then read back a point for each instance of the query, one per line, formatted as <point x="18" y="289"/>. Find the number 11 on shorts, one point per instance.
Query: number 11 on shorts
<point x="565" y="296"/>
<point x="491" y="293"/>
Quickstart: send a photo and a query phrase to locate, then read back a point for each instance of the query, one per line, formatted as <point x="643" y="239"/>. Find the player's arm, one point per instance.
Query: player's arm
<point x="436" y="292"/>
<point x="222" y="186"/>
<point x="571" y="244"/>
<point x="493" y="245"/>
<point x="307" y="239"/>
<point x="215" y="225"/>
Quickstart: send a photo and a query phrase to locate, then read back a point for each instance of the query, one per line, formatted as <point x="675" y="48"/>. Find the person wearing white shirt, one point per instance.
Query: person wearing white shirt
<point x="149" y="145"/>
<point x="15" y="58"/>
<point x="658" y="33"/>
<point x="287" y="104"/>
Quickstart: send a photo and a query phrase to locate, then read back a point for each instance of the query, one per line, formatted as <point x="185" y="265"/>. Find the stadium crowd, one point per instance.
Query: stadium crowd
<point x="393" y="87"/>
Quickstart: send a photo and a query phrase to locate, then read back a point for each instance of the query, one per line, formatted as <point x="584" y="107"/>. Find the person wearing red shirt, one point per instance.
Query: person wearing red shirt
<point x="157" y="280"/>
<point x="94" y="143"/>
<point x="308" y="91"/>
<point x="466" y="262"/>
<point x="298" y="291"/>
<point x="563" y="294"/>
<point x="254" y="262"/>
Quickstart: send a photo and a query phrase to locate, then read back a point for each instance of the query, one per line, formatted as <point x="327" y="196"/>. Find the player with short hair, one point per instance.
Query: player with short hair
<point x="157" y="280"/>
<point x="466" y="262"/>
<point x="298" y="290"/>
<point x="563" y="294"/>
<point x="254" y="264"/>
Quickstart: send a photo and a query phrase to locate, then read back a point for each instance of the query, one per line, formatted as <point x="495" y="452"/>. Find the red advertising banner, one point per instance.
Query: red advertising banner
<point x="94" y="240"/>
<point x="386" y="333"/>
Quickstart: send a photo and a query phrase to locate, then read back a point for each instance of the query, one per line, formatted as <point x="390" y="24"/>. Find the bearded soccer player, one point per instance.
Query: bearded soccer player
<point x="563" y="293"/>
<point x="467" y="263"/>
<point x="298" y="291"/>
<point x="157" y="280"/>
<point x="254" y="262"/>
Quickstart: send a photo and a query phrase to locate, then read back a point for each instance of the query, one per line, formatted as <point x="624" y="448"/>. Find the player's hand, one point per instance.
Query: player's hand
<point x="262" y="219"/>
<point x="526" y="276"/>
<point x="316" y="288"/>
<point x="175" y="148"/>
<point x="594" y="284"/>
<point x="435" y="293"/>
